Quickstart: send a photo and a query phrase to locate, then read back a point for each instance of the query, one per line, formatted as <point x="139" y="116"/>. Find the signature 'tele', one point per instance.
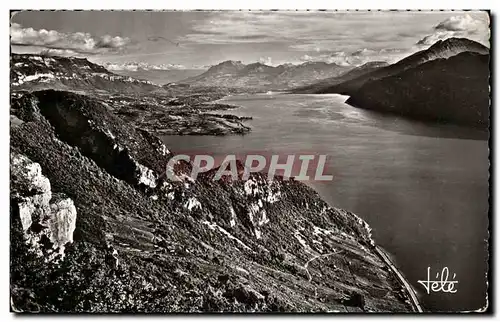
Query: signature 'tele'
<point x="441" y="284"/>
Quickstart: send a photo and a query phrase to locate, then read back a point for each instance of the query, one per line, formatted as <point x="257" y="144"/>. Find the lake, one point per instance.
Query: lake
<point x="422" y="188"/>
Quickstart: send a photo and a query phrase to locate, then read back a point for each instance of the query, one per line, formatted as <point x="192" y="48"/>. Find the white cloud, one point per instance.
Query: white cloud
<point x="433" y="38"/>
<point x="79" y="42"/>
<point x="460" y="23"/>
<point x="339" y="58"/>
<point x="306" y="58"/>
<point x="266" y="61"/>
<point x="59" y="52"/>
<point x="210" y="37"/>
<point x="466" y="26"/>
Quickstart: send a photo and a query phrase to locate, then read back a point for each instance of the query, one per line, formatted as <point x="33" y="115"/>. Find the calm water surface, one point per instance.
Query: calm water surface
<point x="423" y="189"/>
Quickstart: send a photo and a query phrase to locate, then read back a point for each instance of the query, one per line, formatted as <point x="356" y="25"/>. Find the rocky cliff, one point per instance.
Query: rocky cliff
<point x="96" y="227"/>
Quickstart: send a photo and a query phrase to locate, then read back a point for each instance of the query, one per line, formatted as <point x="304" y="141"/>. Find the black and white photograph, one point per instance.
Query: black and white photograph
<point x="250" y="161"/>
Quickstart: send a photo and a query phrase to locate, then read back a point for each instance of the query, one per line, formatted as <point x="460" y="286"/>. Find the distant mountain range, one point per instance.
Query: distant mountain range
<point x="441" y="49"/>
<point x="446" y="83"/>
<point x="235" y="74"/>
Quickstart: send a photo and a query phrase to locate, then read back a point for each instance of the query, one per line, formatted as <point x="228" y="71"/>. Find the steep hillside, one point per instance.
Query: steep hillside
<point x="454" y="90"/>
<point x="322" y="86"/>
<point x="136" y="242"/>
<point x="157" y="109"/>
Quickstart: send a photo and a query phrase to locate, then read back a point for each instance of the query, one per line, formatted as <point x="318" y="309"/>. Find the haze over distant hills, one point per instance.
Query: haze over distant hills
<point x="260" y="76"/>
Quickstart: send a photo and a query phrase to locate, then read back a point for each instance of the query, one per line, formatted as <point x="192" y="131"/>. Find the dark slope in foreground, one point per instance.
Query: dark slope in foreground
<point x="453" y="90"/>
<point x="441" y="49"/>
<point x="96" y="228"/>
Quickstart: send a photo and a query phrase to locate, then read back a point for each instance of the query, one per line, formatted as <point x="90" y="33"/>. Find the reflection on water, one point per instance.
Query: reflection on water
<point x="422" y="188"/>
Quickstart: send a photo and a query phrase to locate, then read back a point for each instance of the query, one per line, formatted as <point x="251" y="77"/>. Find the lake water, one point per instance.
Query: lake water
<point x="423" y="189"/>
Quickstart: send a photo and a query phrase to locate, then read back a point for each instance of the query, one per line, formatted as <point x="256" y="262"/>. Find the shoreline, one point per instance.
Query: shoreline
<point x="407" y="286"/>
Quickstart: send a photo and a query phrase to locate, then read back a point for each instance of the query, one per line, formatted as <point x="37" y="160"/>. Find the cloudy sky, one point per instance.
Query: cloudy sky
<point x="196" y="39"/>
